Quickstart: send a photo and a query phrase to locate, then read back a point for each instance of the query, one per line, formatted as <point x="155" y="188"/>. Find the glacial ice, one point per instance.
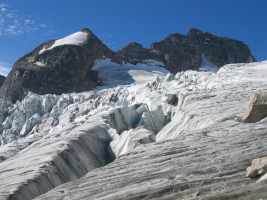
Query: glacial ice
<point x="55" y="139"/>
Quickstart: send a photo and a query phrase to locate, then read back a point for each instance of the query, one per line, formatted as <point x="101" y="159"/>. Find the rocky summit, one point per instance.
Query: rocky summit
<point x="190" y="51"/>
<point x="65" y="65"/>
<point x="57" y="66"/>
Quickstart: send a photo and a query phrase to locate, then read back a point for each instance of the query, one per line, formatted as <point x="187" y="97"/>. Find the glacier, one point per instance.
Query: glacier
<point x="170" y="136"/>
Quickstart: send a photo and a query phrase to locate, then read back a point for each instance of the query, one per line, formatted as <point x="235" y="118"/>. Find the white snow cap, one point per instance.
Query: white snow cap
<point x="73" y="39"/>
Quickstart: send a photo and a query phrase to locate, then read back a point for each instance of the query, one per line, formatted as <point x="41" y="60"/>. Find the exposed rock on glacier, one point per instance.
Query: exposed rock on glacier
<point x="258" y="167"/>
<point x="202" y="149"/>
<point x="256" y="108"/>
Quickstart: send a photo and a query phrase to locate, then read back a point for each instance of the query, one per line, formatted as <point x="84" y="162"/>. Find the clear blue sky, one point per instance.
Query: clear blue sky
<point x="25" y="24"/>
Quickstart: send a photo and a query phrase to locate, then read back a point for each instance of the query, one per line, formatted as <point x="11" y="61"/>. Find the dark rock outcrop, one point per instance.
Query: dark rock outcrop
<point x="62" y="69"/>
<point x="2" y="79"/>
<point x="183" y="52"/>
<point x="256" y="109"/>
<point x="136" y="53"/>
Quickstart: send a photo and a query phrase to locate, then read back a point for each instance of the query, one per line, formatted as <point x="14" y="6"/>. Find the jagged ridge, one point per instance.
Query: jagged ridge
<point x="183" y="52"/>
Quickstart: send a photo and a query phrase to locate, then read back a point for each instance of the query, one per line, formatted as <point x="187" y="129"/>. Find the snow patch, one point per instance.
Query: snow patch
<point x="42" y="50"/>
<point x="113" y="74"/>
<point x="206" y="65"/>
<point x="40" y="64"/>
<point x="154" y="62"/>
<point x="73" y="39"/>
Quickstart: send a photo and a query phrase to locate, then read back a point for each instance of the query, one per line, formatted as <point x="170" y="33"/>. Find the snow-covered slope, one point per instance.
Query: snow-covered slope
<point x="73" y="39"/>
<point x="192" y="120"/>
<point x="113" y="74"/>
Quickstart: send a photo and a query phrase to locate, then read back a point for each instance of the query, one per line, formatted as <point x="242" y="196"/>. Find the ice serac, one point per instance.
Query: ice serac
<point x="57" y="67"/>
<point x="183" y="52"/>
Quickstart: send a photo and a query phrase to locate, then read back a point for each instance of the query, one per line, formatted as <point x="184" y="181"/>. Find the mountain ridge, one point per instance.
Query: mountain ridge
<point x="57" y="67"/>
<point x="187" y="49"/>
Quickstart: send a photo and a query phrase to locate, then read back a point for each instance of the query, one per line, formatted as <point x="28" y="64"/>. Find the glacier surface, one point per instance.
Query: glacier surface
<point x="174" y="136"/>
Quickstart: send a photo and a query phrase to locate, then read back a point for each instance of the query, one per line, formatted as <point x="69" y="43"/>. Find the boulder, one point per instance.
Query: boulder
<point x="258" y="167"/>
<point x="256" y="108"/>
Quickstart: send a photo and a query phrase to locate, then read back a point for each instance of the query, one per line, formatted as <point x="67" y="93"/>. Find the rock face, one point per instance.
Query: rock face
<point x="256" y="109"/>
<point x="183" y="52"/>
<point x="57" y="66"/>
<point x="2" y="79"/>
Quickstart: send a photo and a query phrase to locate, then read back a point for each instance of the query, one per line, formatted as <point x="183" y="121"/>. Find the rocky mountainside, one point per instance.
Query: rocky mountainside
<point x="65" y="65"/>
<point x="175" y="137"/>
<point x="57" y="66"/>
<point x="2" y="79"/>
<point x="183" y="52"/>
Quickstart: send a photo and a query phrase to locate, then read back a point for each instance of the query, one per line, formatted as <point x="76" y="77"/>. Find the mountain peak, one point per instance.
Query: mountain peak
<point x="57" y="66"/>
<point x="86" y="30"/>
<point x="193" y="31"/>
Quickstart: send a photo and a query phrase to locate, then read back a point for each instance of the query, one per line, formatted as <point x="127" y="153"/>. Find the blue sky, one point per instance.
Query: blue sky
<point x="26" y="24"/>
